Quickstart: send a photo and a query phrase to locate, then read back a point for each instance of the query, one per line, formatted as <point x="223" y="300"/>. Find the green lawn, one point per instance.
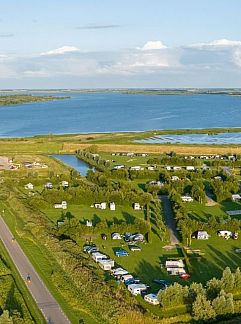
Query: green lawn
<point x="201" y="212"/>
<point x="218" y="254"/>
<point x="83" y="213"/>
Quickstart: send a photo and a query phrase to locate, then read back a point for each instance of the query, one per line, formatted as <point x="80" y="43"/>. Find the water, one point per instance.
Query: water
<point x="72" y="161"/>
<point x="220" y="138"/>
<point x="108" y="112"/>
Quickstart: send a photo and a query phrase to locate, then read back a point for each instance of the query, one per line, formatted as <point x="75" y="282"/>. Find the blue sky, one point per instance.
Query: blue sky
<point x="155" y="43"/>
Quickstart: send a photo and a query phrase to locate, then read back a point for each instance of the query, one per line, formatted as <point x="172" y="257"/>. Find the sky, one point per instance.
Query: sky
<point x="120" y="44"/>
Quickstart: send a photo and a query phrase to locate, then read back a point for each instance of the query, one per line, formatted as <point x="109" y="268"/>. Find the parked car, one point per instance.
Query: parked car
<point x="121" y="252"/>
<point x="87" y="247"/>
<point x="185" y="276"/>
<point x="163" y="283"/>
<point x="134" y="248"/>
<point x="132" y="281"/>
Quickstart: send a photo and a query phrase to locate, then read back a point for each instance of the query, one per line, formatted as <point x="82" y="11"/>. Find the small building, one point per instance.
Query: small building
<point x="112" y="206"/>
<point x="218" y="178"/>
<point x="138" y="237"/>
<point x="116" y="236"/>
<point x="156" y="183"/>
<point x="89" y="223"/>
<point x="137" y="206"/>
<point x="151" y="168"/>
<point x="177" y="168"/>
<point x="136" y="289"/>
<point x="151" y="299"/>
<point x="136" y="168"/>
<point x="62" y="205"/>
<point x="119" y="167"/>
<point x="100" y="205"/>
<point x="29" y="186"/>
<point x="175" y="271"/>
<point x="190" y="168"/>
<point x="175" y="178"/>
<point x="187" y="199"/>
<point x="202" y="235"/>
<point x="64" y="184"/>
<point x="168" y="168"/>
<point x="48" y="185"/>
<point x="236" y="197"/>
<point x="225" y="234"/>
<point x="97" y="256"/>
<point x="174" y="264"/>
<point x="106" y="265"/>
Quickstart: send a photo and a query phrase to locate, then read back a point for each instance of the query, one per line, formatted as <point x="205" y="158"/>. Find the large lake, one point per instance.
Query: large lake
<point x="108" y="112"/>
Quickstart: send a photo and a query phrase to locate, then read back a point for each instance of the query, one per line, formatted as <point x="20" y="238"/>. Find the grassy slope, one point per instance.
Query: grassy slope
<point x="43" y="262"/>
<point x="29" y="301"/>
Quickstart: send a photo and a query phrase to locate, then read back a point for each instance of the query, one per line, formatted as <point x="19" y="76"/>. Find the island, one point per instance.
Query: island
<point x="7" y="100"/>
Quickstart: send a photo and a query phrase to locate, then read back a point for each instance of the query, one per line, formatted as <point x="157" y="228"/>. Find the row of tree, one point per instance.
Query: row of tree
<point x="215" y="300"/>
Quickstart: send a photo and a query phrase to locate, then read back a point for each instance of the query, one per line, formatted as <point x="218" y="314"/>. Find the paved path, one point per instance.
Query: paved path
<point x="45" y="301"/>
<point x="170" y="220"/>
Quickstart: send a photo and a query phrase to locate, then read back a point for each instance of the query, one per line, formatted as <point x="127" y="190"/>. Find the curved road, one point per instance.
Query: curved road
<point x="45" y="301"/>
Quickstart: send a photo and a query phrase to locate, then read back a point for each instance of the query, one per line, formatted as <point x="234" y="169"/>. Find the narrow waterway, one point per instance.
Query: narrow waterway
<point x="72" y="161"/>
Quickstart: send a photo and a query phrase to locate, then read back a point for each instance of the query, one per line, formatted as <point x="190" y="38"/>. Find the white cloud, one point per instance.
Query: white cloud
<point x="61" y="50"/>
<point x="153" y="45"/>
<point x="237" y="57"/>
<point x="218" y="43"/>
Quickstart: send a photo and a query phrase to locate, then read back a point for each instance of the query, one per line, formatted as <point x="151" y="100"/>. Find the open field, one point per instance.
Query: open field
<point x="155" y="149"/>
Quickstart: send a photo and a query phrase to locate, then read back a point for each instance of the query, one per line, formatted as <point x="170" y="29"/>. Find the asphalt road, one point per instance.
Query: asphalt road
<point x="45" y="301"/>
<point x="170" y="220"/>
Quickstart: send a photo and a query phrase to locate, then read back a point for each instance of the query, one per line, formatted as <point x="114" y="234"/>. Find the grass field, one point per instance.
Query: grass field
<point x="83" y="213"/>
<point x="218" y="254"/>
<point x="20" y="285"/>
<point x="43" y="262"/>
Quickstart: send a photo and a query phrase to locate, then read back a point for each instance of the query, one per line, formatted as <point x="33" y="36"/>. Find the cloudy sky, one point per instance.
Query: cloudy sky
<point x="121" y="43"/>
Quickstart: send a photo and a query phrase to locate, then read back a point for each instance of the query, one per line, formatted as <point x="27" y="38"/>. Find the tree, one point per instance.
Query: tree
<point x="202" y="309"/>
<point x="223" y="304"/>
<point x="227" y="280"/>
<point x="5" y="318"/>
<point x="195" y="290"/>
<point x="174" y="295"/>
<point x="237" y="280"/>
<point x="214" y="287"/>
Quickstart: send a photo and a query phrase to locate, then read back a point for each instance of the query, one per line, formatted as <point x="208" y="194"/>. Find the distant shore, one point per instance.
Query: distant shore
<point x="8" y="100"/>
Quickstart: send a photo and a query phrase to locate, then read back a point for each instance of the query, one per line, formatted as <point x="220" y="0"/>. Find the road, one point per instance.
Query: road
<point x="170" y="220"/>
<point x="45" y="301"/>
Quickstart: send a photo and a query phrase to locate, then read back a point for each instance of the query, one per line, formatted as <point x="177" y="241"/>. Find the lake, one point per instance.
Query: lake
<point x="220" y="138"/>
<point x="75" y="163"/>
<point x="109" y="112"/>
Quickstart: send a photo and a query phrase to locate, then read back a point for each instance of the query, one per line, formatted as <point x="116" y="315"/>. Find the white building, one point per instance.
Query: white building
<point x="136" y="289"/>
<point x="175" y="178"/>
<point x="174" y="264"/>
<point x="136" y="168"/>
<point x="97" y="256"/>
<point x="112" y="206"/>
<point x="29" y="186"/>
<point x="151" y="299"/>
<point x="225" y="234"/>
<point x="100" y="205"/>
<point x="177" y="168"/>
<point x="236" y="197"/>
<point x="64" y="184"/>
<point x="186" y="198"/>
<point x="62" y="205"/>
<point x="137" y="206"/>
<point x="168" y="168"/>
<point x="118" y="167"/>
<point x="116" y="236"/>
<point x="202" y="235"/>
<point x="106" y="265"/>
<point x="190" y="168"/>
